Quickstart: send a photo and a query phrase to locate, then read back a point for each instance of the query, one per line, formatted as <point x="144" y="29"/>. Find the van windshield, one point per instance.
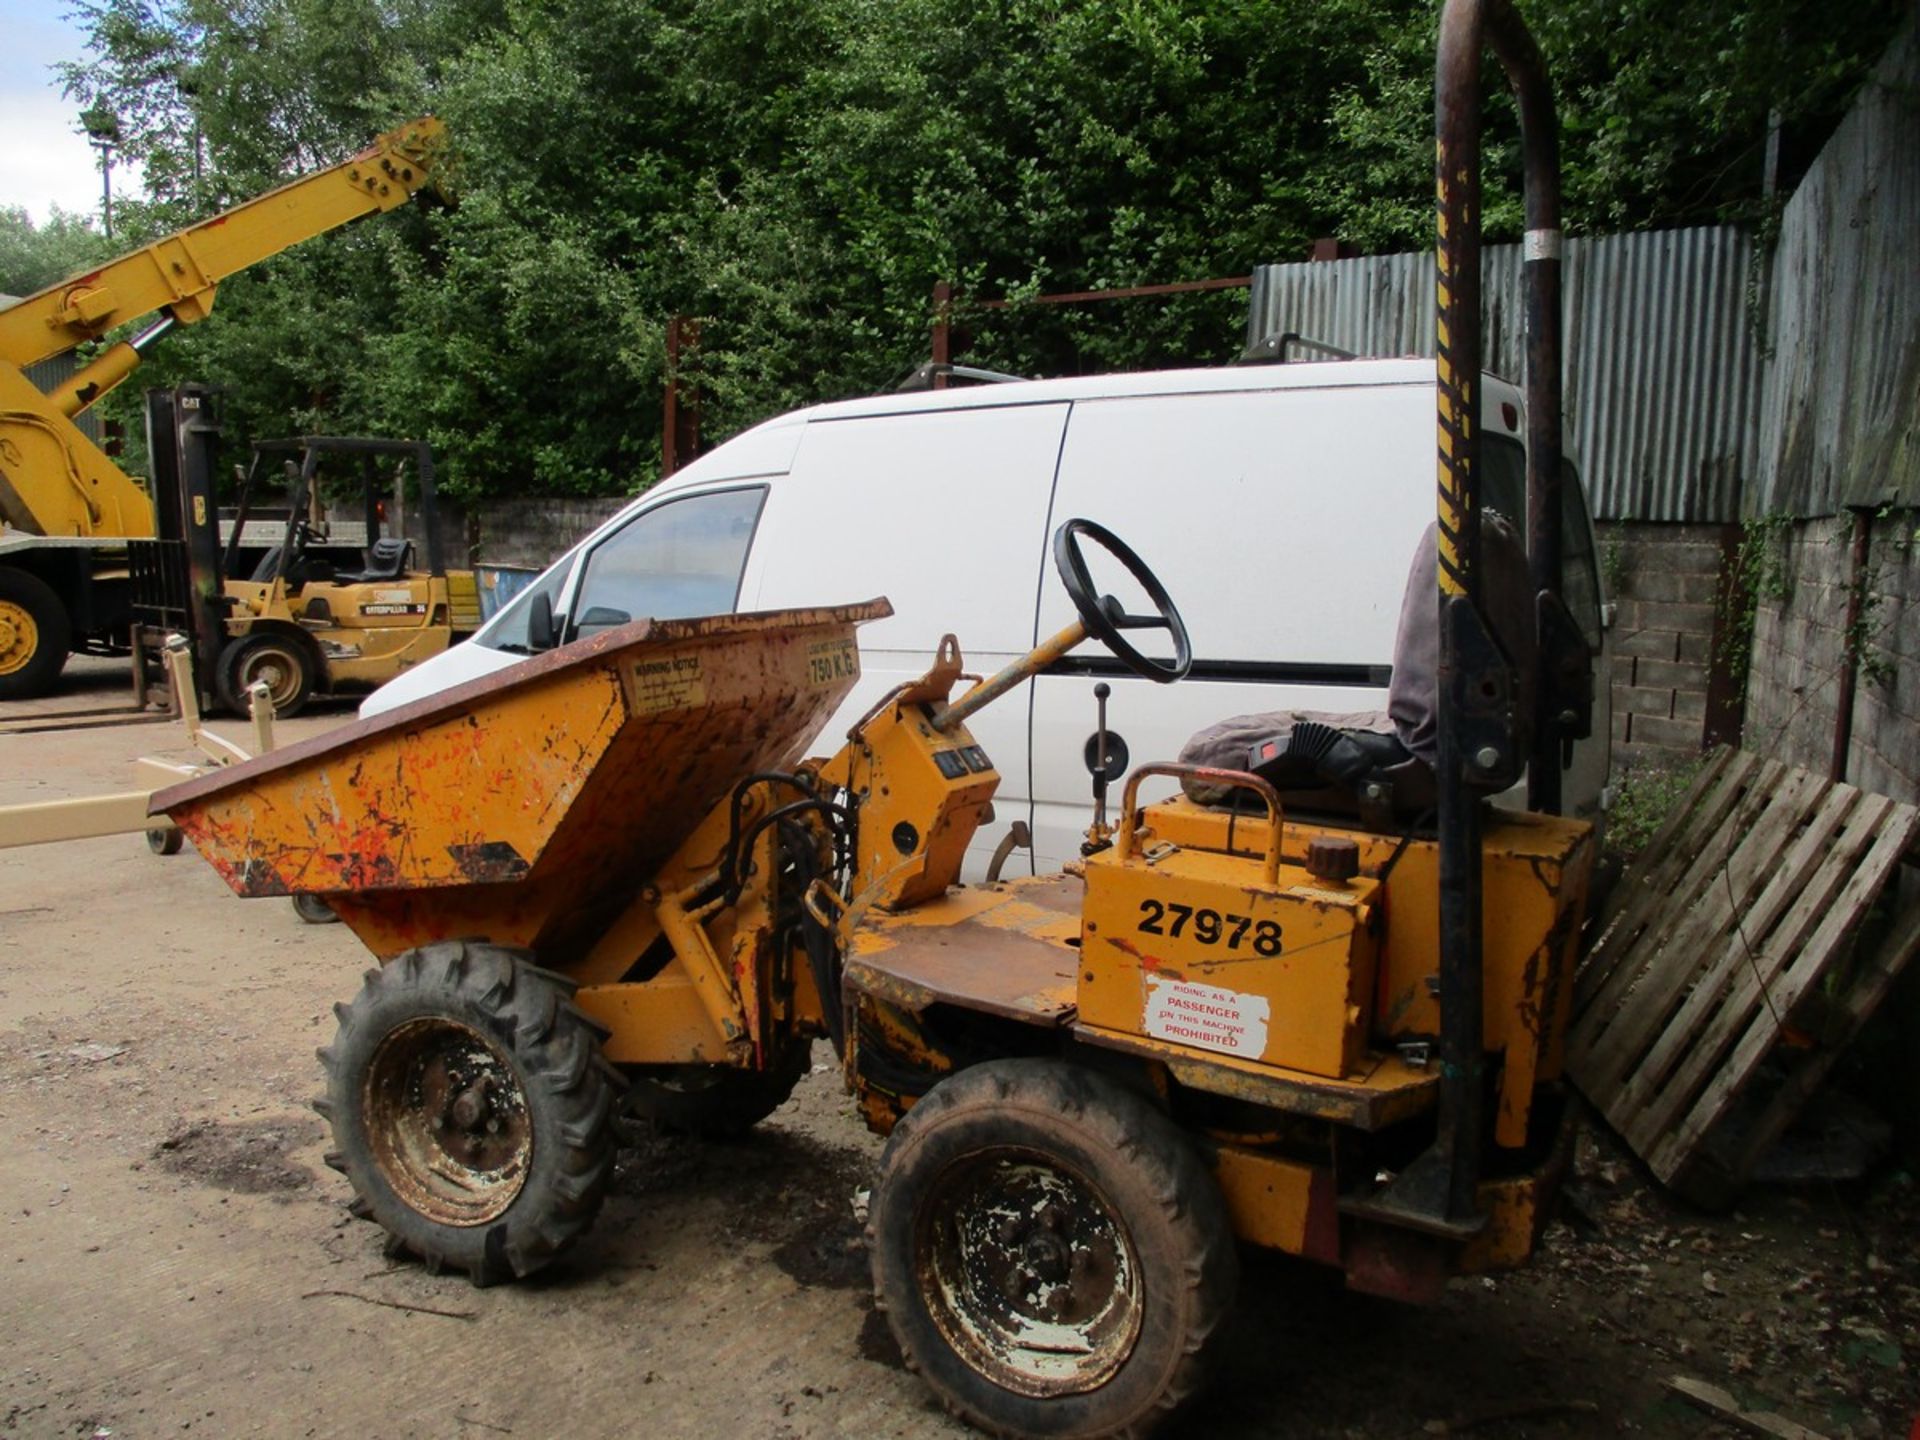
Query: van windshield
<point x="508" y="630"/>
<point x="681" y="558"/>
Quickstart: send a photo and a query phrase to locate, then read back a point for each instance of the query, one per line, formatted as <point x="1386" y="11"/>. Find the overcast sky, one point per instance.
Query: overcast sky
<point x="44" y="160"/>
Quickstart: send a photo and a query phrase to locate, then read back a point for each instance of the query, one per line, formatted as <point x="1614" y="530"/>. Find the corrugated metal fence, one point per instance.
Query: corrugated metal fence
<point x="1663" y="374"/>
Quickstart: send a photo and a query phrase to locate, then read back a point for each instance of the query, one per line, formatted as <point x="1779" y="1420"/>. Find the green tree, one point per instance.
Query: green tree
<point x="797" y="176"/>
<point x="34" y="257"/>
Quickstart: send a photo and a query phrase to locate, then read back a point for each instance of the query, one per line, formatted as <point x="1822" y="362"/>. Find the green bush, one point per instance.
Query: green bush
<point x="1644" y="796"/>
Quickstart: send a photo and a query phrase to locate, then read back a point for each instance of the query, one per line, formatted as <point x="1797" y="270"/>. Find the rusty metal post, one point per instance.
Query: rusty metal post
<point x="670" y="405"/>
<point x="1540" y="142"/>
<point x="1438" y="1192"/>
<point x="680" y="417"/>
<point x="942" y="332"/>
<point x="1850" y="645"/>
<point x="1447" y="1193"/>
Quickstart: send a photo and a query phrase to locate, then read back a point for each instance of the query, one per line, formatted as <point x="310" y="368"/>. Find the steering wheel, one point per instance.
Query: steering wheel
<point x="1104" y="616"/>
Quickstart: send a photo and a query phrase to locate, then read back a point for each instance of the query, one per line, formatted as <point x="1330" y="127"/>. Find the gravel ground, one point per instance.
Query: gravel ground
<point x="176" y="1259"/>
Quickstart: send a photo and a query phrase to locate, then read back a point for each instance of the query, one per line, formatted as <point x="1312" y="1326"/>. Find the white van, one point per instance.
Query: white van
<point x="1279" y="504"/>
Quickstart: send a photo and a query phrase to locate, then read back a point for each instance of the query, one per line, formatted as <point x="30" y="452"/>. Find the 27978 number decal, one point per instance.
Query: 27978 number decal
<point x="1209" y="927"/>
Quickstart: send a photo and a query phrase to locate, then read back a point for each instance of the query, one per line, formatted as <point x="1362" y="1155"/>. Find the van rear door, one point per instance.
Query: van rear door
<point x="1281" y="521"/>
<point x="943" y="512"/>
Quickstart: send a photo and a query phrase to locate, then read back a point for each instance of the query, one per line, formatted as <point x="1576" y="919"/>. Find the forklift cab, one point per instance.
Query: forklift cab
<point x="342" y="542"/>
<point x="320" y="600"/>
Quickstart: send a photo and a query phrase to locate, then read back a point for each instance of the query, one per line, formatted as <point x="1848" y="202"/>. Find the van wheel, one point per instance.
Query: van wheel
<point x="35" y="635"/>
<point x="279" y="660"/>
<point x="1050" y="1251"/>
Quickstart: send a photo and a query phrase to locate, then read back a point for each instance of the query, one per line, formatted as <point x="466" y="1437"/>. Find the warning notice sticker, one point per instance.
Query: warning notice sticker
<point x="1214" y="1019"/>
<point x="672" y="682"/>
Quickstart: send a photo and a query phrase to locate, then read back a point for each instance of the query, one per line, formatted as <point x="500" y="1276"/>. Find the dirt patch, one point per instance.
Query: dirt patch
<point x="248" y="1157"/>
<point x="832" y="1253"/>
<point x="877" y="1343"/>
<point x="783" y="1189"/>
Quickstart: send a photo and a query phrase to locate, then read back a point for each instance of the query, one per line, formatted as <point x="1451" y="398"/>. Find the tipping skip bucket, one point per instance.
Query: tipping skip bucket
<point x="527" y="806"/>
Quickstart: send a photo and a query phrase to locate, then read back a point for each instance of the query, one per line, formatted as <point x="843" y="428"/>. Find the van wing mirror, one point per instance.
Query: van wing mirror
<point x="540" y="631"/>
<point x="603" y="617"/>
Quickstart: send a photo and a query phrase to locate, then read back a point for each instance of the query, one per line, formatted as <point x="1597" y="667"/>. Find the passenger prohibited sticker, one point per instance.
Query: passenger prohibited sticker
<point x="831" y="660"/>
<point x="1230" y="1021"/>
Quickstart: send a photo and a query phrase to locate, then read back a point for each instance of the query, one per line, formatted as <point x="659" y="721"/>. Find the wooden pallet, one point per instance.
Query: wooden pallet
<point x="1731" y="970"/>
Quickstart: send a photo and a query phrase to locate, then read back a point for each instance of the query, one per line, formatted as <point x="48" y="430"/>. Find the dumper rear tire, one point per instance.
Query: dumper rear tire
<point x="1050" y="1251"/>
<point x="471" y="1109"/>
<point x="716" y="1102"/>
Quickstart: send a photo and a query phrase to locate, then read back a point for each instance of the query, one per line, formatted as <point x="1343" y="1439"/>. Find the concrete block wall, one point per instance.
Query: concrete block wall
<point x="1799" y="652"/>
<point x="1663" y="581"/>
<point x="532" y="533"/>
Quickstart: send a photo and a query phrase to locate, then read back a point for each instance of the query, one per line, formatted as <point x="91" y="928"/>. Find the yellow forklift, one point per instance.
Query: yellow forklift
<point x="607" y="877"/>
<point x="307" y="620"/>
<point x="334" y="605"/>
<point x="67" y="510"/>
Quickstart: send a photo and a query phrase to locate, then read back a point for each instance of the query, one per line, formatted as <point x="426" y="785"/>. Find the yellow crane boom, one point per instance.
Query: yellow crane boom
<point x="53" y="480"/>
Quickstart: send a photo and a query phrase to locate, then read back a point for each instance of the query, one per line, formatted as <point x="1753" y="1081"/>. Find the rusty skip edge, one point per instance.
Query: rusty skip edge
<point x="450" y="703"/>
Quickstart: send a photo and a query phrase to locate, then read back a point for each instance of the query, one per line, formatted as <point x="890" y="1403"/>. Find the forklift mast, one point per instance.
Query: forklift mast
<point x="177" y="582"/>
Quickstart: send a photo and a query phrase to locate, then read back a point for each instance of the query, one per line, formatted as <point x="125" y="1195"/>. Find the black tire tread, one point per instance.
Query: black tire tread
<point x="50" y="618"/>
<point x="555" y="1048"/>
<point x="1127" y="1124"/>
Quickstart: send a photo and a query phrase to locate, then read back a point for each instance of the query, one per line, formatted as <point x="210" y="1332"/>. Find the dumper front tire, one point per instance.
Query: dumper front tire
<point x="1052" y="1254"/>
<point x="471" y="1109"/>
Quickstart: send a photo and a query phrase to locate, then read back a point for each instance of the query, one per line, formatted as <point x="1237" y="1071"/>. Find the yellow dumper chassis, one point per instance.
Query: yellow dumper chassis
<point x="1094" y="1083"/>
<point x="1224" y="1025"/>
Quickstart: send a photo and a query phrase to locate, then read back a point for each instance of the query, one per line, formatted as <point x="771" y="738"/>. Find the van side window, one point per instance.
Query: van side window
<point x="677" y="560"/>
<point x="1504" y="482"/>
<point x="508" y="630"/>
<point x="1579" y="566"/>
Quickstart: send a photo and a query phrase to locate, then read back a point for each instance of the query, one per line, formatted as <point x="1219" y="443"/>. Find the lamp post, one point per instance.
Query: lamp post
<point x="103" y="133"/>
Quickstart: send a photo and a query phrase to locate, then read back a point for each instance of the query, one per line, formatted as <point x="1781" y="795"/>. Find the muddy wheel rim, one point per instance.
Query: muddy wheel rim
<point x="19" y="637"/>
<point x="1028" y="1273"/>
<point x="278" y="668"/>
<point x="447" y="1122"/>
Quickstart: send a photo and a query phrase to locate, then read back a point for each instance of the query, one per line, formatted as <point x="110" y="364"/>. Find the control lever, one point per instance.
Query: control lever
<point x="1100" y="757"/>
<point x="1100" y="694"/>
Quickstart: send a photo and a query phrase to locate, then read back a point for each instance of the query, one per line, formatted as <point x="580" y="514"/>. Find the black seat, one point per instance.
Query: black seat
<point x="385" y="559"/>
<point x="1378" y="764"/>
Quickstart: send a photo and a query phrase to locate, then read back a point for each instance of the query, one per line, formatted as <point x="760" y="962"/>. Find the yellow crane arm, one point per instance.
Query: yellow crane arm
<point x="54" y="481"/>
<point x="178" y="275"/>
